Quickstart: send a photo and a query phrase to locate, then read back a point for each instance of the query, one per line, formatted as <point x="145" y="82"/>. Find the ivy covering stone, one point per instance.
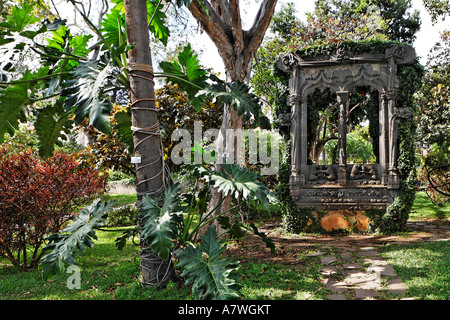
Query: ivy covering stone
<point x="392" y="219"/>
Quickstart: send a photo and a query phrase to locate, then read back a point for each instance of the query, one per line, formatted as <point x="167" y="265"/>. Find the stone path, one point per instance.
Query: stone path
<point x="358" y="273"/>
<point x="352" y="267"/>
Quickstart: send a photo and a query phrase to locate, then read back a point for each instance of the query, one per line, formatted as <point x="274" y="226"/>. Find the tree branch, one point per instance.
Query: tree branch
<point x="217" y="30"/>
<point x="236" y="26"/>
<point x="222" y="8"/>
<point x="260" y="25"/>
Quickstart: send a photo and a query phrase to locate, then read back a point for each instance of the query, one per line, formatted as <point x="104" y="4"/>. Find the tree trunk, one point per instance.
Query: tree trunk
<point x="145" y="126"/>
<point x="237" y="47"/>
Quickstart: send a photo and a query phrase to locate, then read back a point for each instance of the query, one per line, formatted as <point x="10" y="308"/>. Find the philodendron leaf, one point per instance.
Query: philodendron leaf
<point x="87" y="92"/>
<point x="187" y="72"/>
<point x="239" y="182"/>
<point x="74" y="239"/>
<point x="20" y="18"/>
<point x="212" y="277"/>
<point x="237" y="94"/>
<point x="157" y="26"/>
<point x="123" y="128"/>
<point x="161" y="222"/>
<point x="52" y="122"/>
<point x="14" y="99"/>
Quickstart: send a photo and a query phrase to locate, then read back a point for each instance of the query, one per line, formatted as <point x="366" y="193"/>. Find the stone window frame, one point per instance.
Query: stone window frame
<point x="341" y="72"/>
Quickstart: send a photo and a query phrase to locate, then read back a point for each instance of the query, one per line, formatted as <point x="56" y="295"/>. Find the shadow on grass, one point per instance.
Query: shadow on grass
<point x="274" y="281"/>
<point x="423" y="207"/>
<point x="423" y="267"/>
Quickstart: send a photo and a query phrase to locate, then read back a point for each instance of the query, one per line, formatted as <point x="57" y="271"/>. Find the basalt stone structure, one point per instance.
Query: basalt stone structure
<point x="345" y="185"/>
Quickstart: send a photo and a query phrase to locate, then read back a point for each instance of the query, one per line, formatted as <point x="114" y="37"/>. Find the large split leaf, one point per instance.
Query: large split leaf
<point x="157" y="25"/>
<point x="187" y="72"/>
<point x="157" y="22"/>
<point x="88" y="98"/>
<point x="123" y="128"/>
<point x="62" y="43"/>
<point x="74" y="239"/>
<point x="51" y="124"/>
<point x="212" y="277"/>
<point x="20" y="18"/>
<point x="237" y="95"/>
<point x="13" y="101"/>
<point x="161" y="222"/>
<point x="114" y="27"/>
<point x="239" y="182"/>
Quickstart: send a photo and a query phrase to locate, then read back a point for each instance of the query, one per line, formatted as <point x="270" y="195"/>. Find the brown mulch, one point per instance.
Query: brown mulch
<point x="288" y="246"/>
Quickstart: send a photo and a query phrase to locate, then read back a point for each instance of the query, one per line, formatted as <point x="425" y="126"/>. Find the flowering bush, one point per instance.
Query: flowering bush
<point x="36" y="199"/>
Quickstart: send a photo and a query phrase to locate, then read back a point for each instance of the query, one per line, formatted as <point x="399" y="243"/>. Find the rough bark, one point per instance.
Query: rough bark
<point x="146" y="137"/>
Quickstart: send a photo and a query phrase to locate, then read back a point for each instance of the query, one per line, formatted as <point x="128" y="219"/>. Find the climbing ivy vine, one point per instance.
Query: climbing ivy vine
<point x="394" y="218"/>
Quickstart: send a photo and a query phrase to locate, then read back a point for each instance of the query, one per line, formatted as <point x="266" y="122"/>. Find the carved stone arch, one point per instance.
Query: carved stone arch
<point x="342" y="72"/>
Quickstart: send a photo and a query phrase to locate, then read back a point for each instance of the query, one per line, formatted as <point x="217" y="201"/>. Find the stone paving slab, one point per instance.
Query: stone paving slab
<point x="366" y="293"/>
<point x="328" y="260"/>
<point x="336" y="285"/>
<point x="329" y="270"/>
<point x="367" y="253"/>
<point x="385" y="270"/>
<point x="352" y="266"/>
<point x="362" y="281"/>
<point x="336" y="297"/>
<point x="397" y="286"/>
<point x="317" y="254"/>
<point x="375" y="260"/>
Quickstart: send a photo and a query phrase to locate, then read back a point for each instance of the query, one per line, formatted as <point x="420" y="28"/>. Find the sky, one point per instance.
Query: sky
<point x="210" y="58"/>
<point x="426" y="37"/>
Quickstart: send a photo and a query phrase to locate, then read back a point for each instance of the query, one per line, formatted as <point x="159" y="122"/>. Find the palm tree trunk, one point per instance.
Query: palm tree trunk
<point x="150" y="173"/>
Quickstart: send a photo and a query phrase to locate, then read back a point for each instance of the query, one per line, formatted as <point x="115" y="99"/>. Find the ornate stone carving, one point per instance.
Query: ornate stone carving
<point x="391" y="95"/>
<point x="343" y="196"/>
<point x="402" y="54"/>
<point x="344" y="185"/>
<point x="322" y="173"/>
<point x="340" y="54"/>
<point x="398" y="115"/>
<point x="294" y="99"/>
<point x="405" y="113"/>
<point x="288" y="61"/>
<point x="285" y="119"/>
<point x="362" y="172"/>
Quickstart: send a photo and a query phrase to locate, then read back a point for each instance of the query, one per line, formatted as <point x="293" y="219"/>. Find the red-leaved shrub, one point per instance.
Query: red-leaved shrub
<point x="36" y="199"/>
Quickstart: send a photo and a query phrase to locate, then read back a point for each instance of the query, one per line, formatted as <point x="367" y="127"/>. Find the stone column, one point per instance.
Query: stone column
<point x="296" y="141"/>
<point x="384" y="137"/>
<point x="342" y="99"/>
<point x="303" y="159"/>
<point x="391" y="96"/>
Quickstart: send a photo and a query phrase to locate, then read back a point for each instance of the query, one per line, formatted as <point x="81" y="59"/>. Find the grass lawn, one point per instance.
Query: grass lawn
<point x="423" y="208"/>
<point x="423" y="267"/>
<point x="107" y="273"/>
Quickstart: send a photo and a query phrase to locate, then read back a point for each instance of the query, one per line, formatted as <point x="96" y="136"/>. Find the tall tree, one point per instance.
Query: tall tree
<point x="222" y="21"/>
<point x="438" y="9"/>
<point x="402" y="23"/>
<point x="150" y="169"/>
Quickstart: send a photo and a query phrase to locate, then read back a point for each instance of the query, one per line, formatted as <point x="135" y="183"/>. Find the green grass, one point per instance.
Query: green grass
<point x="104" y="269"/>
<point x="423" y="267"/>
<point x="423" y="208"/>
<point x="107" y="273"/>
<point x="275" y="281"/>
<point x="121" y="199"/>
